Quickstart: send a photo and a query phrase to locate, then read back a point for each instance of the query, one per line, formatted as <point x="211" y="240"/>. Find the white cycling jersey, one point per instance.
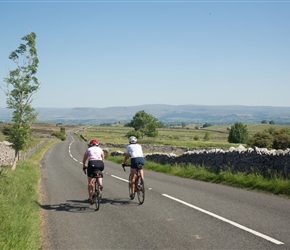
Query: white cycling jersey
<point x="94" y="153"/>
<point x="134" y="150"/>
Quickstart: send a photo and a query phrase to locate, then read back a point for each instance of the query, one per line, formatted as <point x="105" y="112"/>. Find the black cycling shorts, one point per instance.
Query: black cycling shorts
<point x="94" y="166"/>
<point x="136" y="161"/>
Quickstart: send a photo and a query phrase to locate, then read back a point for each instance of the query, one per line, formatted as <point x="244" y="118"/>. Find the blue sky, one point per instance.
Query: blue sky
<point x="127" y="53"/>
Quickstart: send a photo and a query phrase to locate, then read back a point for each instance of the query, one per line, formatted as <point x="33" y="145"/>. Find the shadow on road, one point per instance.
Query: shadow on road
<point x="76" y="206"/>
<point x="82" y="206"/>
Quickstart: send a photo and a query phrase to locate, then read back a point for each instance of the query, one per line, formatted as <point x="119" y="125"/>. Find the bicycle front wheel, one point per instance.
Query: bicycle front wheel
<point x="140" y="190"/>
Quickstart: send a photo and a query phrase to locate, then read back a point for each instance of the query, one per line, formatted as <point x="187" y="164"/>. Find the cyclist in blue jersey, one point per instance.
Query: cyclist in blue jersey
<point x="135" y="152"/>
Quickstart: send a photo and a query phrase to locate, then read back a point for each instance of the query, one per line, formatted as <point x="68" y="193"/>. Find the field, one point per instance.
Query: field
<point x="176" y="136"/>
<point x="188" y="136"/>
<point x="41" y="131"/>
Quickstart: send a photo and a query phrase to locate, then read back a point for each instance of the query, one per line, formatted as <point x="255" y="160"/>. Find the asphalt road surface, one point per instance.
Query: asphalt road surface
<point x="177" y="213"/>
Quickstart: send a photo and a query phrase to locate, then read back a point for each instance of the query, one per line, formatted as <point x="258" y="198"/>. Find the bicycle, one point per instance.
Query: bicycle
<point x="97" y="190"/>
<point x="139" y="183"/>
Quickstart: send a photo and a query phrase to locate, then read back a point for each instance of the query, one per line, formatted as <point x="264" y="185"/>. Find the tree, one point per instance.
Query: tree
<point x="238" y="133"/>
<point x="22" y="84"/>
<point x="206" y="125"/>
<point x="264" y="122"/>
<point x="60" y="134"/>
<point x="281" y="141"/>
<point x="263" y="139"/>
<point x="145" y="124"/>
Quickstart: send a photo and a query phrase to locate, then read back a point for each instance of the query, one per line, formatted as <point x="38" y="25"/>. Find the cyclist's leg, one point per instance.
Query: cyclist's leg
<point x="90" y="186"/>
<point x="100" y="166"/>
<point x="133" y="176"/>
<point x="141" y="173"/>
<point x="91" y="180"/>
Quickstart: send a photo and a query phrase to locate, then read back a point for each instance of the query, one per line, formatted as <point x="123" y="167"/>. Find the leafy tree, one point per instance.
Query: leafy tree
<point x="62" y="130"/>
<point x="145" y="124"/>
<point x="60" y="134"/>
<point x="264" y="122"/>
<point x="161" y="125"/>
<point x="271" y="122"/>
<point x="21" y="85"/>
<point x="238" y="133"/>
<point x="263" y="139"/>
<point x="6" y="130"/>
<point x="206" y="125"/>
<point x="281" y="141"/>
<point x="271" y="138"/>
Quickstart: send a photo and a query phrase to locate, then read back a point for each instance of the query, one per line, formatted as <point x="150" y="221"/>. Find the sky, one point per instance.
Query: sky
<point x="129" y="53"/>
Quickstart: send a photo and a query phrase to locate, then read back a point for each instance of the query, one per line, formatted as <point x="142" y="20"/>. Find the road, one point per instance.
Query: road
<point x="178" y="213"/>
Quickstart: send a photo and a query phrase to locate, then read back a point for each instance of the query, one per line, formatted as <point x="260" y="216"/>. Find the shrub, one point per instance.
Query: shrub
<point x="261" y="140"/>
<point x="238" y="133"/>
<point x="206" y="136"/>
<point x="281" y="141"/>
<point x="6" y="130"/>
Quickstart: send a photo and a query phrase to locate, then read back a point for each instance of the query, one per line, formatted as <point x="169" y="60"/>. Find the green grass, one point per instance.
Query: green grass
<point x="274" y="185"/>
<point x="20" y="216"/>
<point x="176" y="136"/>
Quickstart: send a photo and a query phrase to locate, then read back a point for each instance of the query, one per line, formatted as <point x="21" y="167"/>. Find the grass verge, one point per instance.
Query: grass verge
<point x="19" y="210"/>
<point x="252" y="181"/>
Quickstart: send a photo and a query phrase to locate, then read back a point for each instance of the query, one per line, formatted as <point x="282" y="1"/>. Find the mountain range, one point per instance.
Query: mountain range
<point x="168" y="114"/>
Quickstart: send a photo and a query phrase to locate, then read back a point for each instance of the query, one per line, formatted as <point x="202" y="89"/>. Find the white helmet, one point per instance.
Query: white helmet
<point x="132" y="139"/>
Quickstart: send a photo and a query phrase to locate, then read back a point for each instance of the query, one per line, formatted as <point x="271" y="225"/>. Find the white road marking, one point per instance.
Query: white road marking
<point x="70" y="151"/>
<point x="119" y="178"/>
<point x="226" y="220"/>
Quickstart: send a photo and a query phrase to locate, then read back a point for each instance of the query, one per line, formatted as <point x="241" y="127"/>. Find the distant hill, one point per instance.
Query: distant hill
<point x="169" y="114"/>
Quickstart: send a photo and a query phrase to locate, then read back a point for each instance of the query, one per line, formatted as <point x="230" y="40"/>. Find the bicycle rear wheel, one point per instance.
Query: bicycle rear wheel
<point x="140" y="188"/>
<point x="97" y="200"/>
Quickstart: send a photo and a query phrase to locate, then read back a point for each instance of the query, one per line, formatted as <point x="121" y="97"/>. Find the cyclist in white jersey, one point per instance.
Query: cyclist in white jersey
<point x="95" y="156"/>
<point x="135" y="152"/>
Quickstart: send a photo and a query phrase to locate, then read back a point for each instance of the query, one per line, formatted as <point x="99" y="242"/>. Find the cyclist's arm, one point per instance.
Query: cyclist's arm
<point x="125" y="158"/>
<point x="85" y="159"/>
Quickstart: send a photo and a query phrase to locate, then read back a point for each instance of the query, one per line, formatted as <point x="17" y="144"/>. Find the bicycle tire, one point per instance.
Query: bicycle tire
<point x="130" y="188"/>
<point x="140" y="190"/>
<point x="97" y="200"/>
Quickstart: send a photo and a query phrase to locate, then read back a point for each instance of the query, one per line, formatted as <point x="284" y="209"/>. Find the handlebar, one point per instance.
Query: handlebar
<point x="139" y="166"/>
<point x="125" y="165"/>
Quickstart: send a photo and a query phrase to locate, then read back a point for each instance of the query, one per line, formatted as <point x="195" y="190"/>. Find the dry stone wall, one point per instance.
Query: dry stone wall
<point x="6" y="153"/>
<point x="259" y="160"/>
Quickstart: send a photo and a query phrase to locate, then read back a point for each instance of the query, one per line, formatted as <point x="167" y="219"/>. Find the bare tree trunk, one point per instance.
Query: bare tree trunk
<point x="15" y="160"/>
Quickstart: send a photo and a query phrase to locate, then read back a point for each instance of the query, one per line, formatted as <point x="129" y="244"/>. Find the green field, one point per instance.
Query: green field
<point x="176" y="136"/>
